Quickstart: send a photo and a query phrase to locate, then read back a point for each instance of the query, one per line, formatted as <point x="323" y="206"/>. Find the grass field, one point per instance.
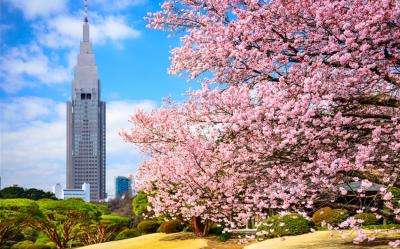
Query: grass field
<point x="317" y="240"/>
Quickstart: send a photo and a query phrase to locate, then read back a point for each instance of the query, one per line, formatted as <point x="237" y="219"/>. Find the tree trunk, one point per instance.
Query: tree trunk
<point x="198" y="226"/>
<point x="206" y="228"/>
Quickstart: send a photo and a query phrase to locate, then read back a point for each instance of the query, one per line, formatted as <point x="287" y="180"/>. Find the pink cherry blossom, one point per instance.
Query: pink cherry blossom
<point x="297" y="100"/>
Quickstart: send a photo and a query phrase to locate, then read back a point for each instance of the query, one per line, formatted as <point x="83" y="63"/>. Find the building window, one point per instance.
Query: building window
<point x="85" y="96"/>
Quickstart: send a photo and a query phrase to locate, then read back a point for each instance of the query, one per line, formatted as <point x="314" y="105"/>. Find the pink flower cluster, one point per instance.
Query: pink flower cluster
<point x="297" y="97"/>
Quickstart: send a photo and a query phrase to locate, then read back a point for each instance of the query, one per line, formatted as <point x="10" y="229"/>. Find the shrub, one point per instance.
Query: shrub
<point x="148" y="226"/>
<point x="368" y="218"/>
<point x="30" y="234"/>
<point x="172" y="226"/>
<point x="127" y="234"/>
<point x="290" y="224"/>
<point x="42" y="239"/>
<point x="140" y="203"/>
<point x="224" y="237"/>
<point x="216" y="229"/>
<point x="27" y="244"/>
<point x="188" y="228"/>
<point x="23" y="245"/>
<point x="119" y="222"/>
<point x="330" y="216"/>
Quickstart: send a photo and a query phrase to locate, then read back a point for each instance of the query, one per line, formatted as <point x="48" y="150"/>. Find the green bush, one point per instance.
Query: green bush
<point x="119" y="222"/>
<point x="27" y="244"/>
<point x="140" y="203"/>
<point x="127" y="234"/>
<point x="30" y="234"/>
<point x="396" y="204"/>
<point x="290" y="224"/>
<point x="188" y="228"/>
<point x="330" y="216"/>
<point x="23" y="245"/>
<point x="148" y="226"/>
<point x="42" y="239"/>
<point x="368" y="218"/>
<point x="172" y="226"/>
<point x="224" y="237"/>
<point x="216" y="229"/>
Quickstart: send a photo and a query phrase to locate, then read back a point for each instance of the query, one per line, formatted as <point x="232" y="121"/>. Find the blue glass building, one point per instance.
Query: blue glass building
<point x="123" y="186"/>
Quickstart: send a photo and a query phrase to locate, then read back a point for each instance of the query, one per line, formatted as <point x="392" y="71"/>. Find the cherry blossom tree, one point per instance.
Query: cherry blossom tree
<point x="298" y="98"/>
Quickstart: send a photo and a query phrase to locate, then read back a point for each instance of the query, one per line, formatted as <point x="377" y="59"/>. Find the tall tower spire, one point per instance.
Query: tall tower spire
<point x="86" y="124"/>
<point x="86" y="16"/>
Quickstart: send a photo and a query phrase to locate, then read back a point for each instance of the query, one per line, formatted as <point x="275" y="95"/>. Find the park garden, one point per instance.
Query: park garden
<point x="293" y="126"/>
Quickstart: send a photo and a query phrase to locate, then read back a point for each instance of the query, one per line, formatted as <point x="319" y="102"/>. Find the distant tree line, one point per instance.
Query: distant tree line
<point x="15" y="192"/>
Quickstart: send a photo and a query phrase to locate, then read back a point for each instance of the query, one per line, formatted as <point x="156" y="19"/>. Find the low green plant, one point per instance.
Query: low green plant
<point x="216" y="229"/>
<point x="172" y="226"/>
<point x="30" y="234"/>
<point x="290" y="224"/>
<point x="329" y="216"/>
<point x="27" y="244"/>
<point x="140" y="203"/>
<point x="127" y="234"/>
<point x="119" y="222"/>
<point x="148" y="226"/>
<point x="23" y="245"/>
<point x="188" y="228"/>
<point x="224" y="237"/>
<point x="42" y="239"/>
<point x="368" y="218"/>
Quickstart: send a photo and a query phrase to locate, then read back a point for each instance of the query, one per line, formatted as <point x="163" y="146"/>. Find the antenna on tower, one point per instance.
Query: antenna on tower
<point x="86" y="18"/>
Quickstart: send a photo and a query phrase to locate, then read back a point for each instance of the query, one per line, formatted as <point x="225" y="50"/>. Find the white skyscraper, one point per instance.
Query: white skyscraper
<point x="86" y="126"/>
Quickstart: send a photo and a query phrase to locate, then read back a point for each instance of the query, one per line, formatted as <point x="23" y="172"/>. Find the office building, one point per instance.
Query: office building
<point x="86" y="126"/>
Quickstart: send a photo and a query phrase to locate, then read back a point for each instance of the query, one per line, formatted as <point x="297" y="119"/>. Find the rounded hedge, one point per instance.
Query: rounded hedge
<point x="329" y="216"/>
<point x="127" y="234"/>
<point x="148" y="226"/>
<point x="290" y="224"/>
<point x="172" y="226"/>
<point x="27" y="244"/>
<point x="368" y="218"/>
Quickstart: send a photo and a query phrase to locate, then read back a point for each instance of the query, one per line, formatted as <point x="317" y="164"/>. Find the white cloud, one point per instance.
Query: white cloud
<point x="33" y="146"/>
<point x="118" y="113"/>
<point x="118" y="4"/>
<point x="28" y="65"/>
<point x="35" y="8"/>
<point x="66" y="31"/>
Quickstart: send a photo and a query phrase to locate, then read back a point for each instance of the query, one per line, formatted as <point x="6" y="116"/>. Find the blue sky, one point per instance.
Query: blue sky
<point x="39" y="43"/>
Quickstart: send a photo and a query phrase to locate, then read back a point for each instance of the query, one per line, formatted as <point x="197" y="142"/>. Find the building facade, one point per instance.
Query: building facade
<point x="64" y="194"/>
<point x="86" y="125"/>
<point x="123" y="186"/>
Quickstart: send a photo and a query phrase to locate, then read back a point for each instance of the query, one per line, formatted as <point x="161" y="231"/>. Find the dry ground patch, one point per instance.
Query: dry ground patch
<point x="325" y="240"/>
<point x="317" y="240"/>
